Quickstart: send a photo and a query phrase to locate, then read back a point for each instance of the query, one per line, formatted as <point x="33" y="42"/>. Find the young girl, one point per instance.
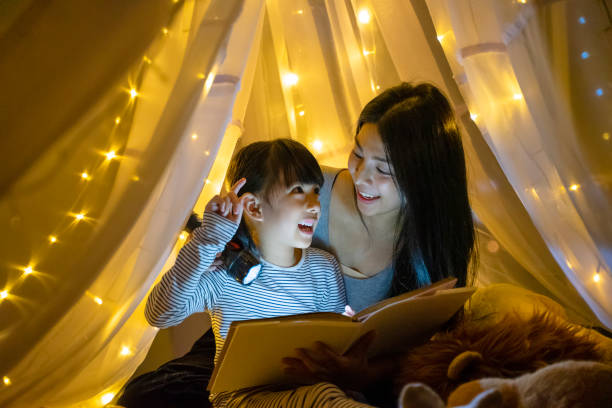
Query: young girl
<point x="275" y="218"/>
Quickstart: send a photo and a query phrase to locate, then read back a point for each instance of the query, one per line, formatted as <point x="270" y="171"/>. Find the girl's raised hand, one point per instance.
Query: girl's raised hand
<point x="228" y="205"/>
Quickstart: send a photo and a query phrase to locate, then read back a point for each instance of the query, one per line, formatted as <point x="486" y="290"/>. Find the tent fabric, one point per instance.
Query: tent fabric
<point x="120" y="119"/>
<point x="528" y="126"/>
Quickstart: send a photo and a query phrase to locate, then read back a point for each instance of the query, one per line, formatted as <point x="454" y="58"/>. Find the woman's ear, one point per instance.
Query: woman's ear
<point x="252" y="207"/>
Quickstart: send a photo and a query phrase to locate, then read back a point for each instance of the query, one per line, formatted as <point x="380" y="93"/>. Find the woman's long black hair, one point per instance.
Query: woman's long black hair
<point x="423" y="146"/>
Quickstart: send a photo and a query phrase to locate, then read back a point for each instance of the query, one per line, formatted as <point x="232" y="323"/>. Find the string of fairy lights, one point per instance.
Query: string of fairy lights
<point x="514" y="94"/>
<point x="290" y="81"/>
<point x="297" y="112"/>
<point x="113" y="154"/>
<point x="104" y="158"/>
<point x="599" y="92"/>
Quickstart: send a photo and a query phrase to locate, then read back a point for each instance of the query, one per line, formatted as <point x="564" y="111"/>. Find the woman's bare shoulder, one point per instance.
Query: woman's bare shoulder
<point x="330" y="171"/>
<point x="342" y="191"/>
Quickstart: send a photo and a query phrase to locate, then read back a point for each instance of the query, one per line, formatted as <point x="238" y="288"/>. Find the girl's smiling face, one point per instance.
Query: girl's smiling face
<point x="375" y="187"/>
<point x="291" y="215"/>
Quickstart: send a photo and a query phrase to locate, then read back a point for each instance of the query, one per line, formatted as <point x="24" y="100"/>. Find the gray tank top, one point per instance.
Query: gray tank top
<point x="360" y="293"/>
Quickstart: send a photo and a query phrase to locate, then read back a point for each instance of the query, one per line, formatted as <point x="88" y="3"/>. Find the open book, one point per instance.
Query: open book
<point x="253" y="349"/>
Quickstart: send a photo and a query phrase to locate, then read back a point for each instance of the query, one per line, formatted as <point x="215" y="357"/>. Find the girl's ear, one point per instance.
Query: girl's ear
<point x="252" y="207"/>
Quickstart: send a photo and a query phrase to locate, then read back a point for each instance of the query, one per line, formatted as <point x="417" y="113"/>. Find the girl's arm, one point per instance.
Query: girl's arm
<point x="191" y="285"/>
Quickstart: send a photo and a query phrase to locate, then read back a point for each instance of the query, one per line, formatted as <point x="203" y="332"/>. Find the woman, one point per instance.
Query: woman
<point x="397" y="219"/>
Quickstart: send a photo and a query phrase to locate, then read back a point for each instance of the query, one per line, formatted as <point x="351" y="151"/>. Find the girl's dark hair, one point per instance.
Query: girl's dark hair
<point x="267" y="164"/>
<point x="423" y="147"/>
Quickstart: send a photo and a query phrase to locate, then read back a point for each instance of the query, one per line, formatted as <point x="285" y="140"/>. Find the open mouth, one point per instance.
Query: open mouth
<point x="366" y="198"/>
<point x="307" y="227"/>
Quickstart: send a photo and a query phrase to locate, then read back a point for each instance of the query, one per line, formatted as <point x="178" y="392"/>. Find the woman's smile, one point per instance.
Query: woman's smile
<point x="375" y="189"/>
<point x="366" y="198"/>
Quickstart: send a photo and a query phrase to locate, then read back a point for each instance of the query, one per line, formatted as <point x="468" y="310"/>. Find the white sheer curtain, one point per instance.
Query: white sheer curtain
<point x="504" y="68"/>
<point x="361" y="47"/>
<point x="209" y="75"/>
<point x="133" y="204"/>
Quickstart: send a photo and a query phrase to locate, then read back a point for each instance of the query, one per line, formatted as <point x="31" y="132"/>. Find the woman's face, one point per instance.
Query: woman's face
<point x="374" y="185"/>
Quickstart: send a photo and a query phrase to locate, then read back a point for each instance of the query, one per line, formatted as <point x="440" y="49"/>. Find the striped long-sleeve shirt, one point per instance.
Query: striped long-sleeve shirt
<point x="314" y="284"/>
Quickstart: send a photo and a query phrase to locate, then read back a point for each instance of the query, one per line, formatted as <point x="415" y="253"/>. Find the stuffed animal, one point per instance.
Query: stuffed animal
<point x="506" y="349"/>
<point x="417" y="395"/>
<point x="575" y="384"/>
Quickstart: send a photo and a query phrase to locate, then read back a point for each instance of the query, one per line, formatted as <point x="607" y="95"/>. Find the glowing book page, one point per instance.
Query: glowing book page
<point x="253" y="350"/>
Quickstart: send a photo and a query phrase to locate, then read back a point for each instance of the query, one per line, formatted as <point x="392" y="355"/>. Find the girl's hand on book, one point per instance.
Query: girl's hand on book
<point x="228" y="205"/>
<point x="348" y="311"/>
<point x="321" y="363"/>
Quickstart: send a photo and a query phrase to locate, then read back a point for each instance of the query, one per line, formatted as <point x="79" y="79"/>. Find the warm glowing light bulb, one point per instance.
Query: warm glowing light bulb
<point x="79" y="216"/>
<point x="440" y="37"/>
<point x="6" y="380"/>
<point x="4" y="294"/>
<point x="194" y="136"/>
<point x="125" y="351"/>
<point x="518" y="96"/>
<point x="106" y="398"/>
<point x="522" y="1"/>
<point x="111" y="155"/>
<point x="596" y="278"/>
<point x="301" y="113"/>
<point x="117" y="120"/>
<point x="290" y="79"/>
<point x="133" y="93"/>
<point x="366" y="52"/>
<point x="98" y="300"/>
<point x="300" y="11"/>
<point x="84" y="175"/>
<point x="207" y="153"/>
<point x="209" y="81"/>
<point x="574" y="187"/>
<point x="207" y="181"/>
<point x="165" y="31"/>
<point x="52" y="239"/>
<point x="183" y="236"/>
<point x="492" y="246"/>
<point x="364" y="16"/>
<point x="28" y="270"/>
<point x="317" y="145"/>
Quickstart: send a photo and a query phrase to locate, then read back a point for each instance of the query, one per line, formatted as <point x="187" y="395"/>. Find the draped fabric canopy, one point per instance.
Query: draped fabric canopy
<point x="118" y="119"/>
